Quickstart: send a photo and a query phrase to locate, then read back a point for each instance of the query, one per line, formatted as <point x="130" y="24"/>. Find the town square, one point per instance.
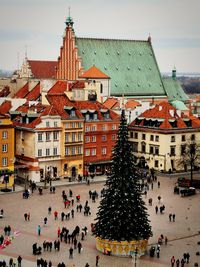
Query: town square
<point x="99" y="133"/>
<point x="183" y="234"/>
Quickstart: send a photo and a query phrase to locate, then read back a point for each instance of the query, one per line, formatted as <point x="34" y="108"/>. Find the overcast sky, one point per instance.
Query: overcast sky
<point x="174" y="26"/>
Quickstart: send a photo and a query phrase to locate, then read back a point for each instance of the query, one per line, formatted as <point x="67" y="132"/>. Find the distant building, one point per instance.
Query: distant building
<point x="159" y="136"/>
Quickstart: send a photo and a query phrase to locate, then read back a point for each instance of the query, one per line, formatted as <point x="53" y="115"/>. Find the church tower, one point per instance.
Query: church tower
<point x="69" y="63"/>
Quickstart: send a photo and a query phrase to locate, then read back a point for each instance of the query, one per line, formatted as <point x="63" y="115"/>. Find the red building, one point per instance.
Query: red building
<point x="100" y="134"/>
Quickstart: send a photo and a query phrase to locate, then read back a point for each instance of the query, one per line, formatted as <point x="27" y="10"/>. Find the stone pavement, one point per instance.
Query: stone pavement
<point x="183" y="234"/>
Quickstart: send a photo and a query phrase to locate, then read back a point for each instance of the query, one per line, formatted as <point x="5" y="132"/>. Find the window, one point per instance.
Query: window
<point x="183" y="138"/>
<point x="94" y="138"/>
<point x="73" y="137"/>
<point x="95" y="116"/>
<point x="79" y="124"/>
<point x="101" y="88"/>
<point x="93" y="152"/>
<point x="172" y="150"/>
<point x="87" y="139"/>
<point x="39" y="152"/>
<point x="131" y="134"/>
<point x="114" y="127"/>
<point x="136" y="135"/>
<point x="66" y="137"/>
<point x="47" y="152"/>
<point x="192" y="137"/>
<point x="151" y="138"/>
<point x="103" y="151"/>
<point x="156" y="163"/>
<point x="79" y="150"/>
<point x="135" y="147"/>
<point x="157" y="138"/>
<point x="4" y="135"/>
<point x="103" y="138"/>
<point x="67" y="151"/>
<point x="79" y="137"/>
<point x="87" y="152"/>
<point x="143" y="136"/>
<point x="183" y="149"/>
<point x="55" y="135"/>
<point x="4" y="148"/>
<point x="157" y="150"/>
<point x="143" y="148"/>
<point x="55" y="151"/>
<point x="173" y="139"/>
<point x="72" y="113"/>
<point x="94" y="128"/>
<point x="87" y="128"/>
<point x="39" y="137"/>
<point x="55" y="124"/>
<point x="87" y="117"/>
<point x="113" y="137"/>
<point x="67" y="125"/>
<point x="104" y="127"/>
<point x="4" y="162"/>
<point x="47" y="124"/>
<point x="73" y="150"/>
<point x="73" y="125"/>
<point x="47" y="136"/>
<point x="151" y="150"/>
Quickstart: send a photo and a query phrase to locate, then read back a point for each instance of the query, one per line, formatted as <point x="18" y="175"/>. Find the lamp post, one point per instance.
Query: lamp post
<point x="136" y="253"/>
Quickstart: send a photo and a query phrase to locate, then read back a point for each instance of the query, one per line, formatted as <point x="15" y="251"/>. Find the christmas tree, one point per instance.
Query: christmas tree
<point x="122" y="214"/>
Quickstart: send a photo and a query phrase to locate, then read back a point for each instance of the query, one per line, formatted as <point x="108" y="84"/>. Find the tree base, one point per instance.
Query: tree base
<point x="6" y="190"/>
<point x="123" y="248"/>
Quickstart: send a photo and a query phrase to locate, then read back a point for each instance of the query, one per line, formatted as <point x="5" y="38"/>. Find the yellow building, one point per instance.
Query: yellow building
<point x="7" y="151"/>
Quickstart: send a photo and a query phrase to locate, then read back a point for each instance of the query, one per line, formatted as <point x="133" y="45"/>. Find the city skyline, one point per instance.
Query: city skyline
<point x="36" y="28"/>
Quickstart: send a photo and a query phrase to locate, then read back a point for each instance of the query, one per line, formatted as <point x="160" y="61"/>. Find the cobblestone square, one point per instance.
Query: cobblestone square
<point x="183" y="234"/>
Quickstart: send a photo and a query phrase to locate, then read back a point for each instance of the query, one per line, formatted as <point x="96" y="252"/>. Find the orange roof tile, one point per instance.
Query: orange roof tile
<point x="43" y="69"/>
<point x="132" y="104"/>
<point x="58" y="88"/>
<point x="22" y="92"/>
<point x="94" y="73"/>
<point x="168" y="114"/>
<point x="111" y="102"/>
<point x="5" y="107"/>
<point x="34" y="94"/>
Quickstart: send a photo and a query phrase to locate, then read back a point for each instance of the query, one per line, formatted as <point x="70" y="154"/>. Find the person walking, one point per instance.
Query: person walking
<point x="28" y="216"/>
<point x="19" y="260"/>
<point x="172" y="261"/>
<point x="177" y="262"/>
<point x="156" y="209"/>
<point x="71" y="253"/>
<point x="58" y="232"/>
<point x="170" y="217"/>
<point x="182" y="263"/>
<point x="173" y="217"/>
<point x="79" y="247"/>
<point x="45" y="221"/>
<point x="49" y="210"/>
<point x="39" y="230"/>
<point x="166" y="240"/>
<point x="97" y="260"/>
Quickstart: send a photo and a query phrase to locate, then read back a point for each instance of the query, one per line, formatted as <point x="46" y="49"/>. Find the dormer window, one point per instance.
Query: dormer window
<point x="72" y="113"/>
<point x="95" y="116"/>
<point x="87" y="117"/>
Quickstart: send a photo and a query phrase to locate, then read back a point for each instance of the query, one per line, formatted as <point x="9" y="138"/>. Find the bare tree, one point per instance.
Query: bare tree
<point x="190" y="156"/>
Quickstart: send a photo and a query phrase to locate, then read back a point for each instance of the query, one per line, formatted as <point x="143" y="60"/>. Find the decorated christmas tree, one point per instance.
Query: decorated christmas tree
<point x="122" y="214"/>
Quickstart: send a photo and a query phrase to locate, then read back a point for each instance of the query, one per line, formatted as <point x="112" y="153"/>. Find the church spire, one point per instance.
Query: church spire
<point x="69" y="21"/>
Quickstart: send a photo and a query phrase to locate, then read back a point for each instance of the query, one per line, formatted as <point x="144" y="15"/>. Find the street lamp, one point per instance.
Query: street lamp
<point x="136" y="253"/>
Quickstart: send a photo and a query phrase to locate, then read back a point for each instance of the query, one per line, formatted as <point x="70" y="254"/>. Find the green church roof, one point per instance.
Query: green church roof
<point x="130" y="64"/>
<point x="179" y="105"/>
<point x="174" y="89"/>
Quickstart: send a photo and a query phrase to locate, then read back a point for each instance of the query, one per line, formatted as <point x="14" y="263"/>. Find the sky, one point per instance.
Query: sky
<point x="37" y="26"/>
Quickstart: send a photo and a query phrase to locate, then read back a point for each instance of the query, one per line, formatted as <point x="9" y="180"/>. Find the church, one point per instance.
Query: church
<point x="128" y="68"/>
